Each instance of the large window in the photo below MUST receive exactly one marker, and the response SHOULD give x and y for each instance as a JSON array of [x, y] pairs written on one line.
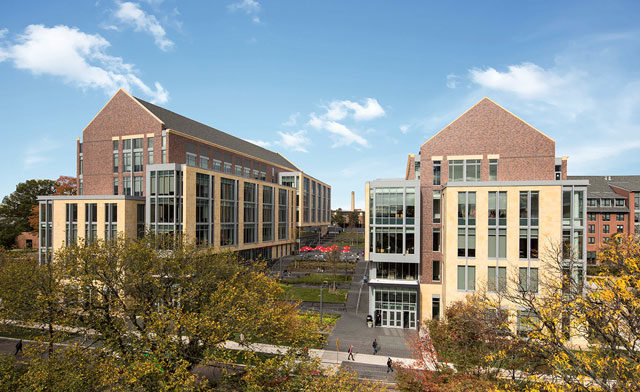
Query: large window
[[464, 170], [137, 186], [126, 155], [456, 170], [436, 206], [115, 156], [137, 155], [466, 224], [435, 270], [283, 214], [90, 222], [466, 278], [250, 213], [204, 207], [191, 159], [402, 271], [528, 279], [267, 213], [393, 229], [71, 229], [436, 172], [493, 170], [528, 244], [497, 279], [228, 208], [150, 150], [110, 221], [497, 220]]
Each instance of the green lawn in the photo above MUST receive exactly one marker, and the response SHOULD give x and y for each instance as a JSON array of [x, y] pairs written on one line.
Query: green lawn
[[12, 331], [312, 294], [318, 279], [301, 265]]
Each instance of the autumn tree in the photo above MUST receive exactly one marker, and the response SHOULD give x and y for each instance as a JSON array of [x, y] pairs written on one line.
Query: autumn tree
[[63, 186], [16, 208], [33, 294], [139, 299]]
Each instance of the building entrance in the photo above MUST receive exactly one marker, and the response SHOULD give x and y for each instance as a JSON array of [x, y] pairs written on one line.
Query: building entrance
[[395, 308]]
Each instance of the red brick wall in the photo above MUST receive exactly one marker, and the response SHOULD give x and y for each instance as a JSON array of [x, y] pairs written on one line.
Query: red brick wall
[[121, 116], [21, 240], [486, 128]]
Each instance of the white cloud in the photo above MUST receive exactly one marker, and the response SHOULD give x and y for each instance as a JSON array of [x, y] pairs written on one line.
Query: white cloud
[[452, 81], [259, 143], [338, 110], [342, 135], [3, 32], [295, 141], [404, 128], [250, 7], [526, 80], [292, 120], [78, 58], [130, 13]]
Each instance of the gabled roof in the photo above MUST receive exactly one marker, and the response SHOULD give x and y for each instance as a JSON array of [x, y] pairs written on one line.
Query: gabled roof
[[488, 101], [199, 130]]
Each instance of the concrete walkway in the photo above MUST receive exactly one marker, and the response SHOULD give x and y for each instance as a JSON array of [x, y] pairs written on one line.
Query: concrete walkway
[[351, 328]]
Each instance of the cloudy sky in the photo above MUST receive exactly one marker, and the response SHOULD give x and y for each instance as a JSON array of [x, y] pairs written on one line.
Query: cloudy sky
[[345, 89]]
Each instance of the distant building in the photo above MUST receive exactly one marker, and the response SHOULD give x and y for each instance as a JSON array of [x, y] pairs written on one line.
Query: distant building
[[27, 240], [142, 167], [347, 216], [613, 206]]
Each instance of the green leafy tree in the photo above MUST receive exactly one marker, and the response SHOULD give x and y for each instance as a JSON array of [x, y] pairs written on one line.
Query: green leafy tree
[[338, 218], [16, 208]]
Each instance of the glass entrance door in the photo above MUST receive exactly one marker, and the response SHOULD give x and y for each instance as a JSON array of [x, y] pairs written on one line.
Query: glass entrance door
[[395, 308]]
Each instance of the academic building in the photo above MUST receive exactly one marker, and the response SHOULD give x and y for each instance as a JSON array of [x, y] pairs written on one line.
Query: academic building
[[613, 207], [144, 168], [478, 206]]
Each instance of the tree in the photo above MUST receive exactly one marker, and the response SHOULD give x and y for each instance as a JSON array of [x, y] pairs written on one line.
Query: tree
[[139, 299], [16, 208], [354, 219], [32, 293], [64, 186], [571, 335], [155, 309], [337, 218]]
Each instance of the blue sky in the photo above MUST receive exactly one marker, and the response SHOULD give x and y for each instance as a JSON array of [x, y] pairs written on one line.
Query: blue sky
[[345, 89]]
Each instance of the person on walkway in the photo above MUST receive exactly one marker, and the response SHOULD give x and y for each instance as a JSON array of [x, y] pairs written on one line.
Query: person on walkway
[[364, 279], [375, 346], [389, 365], [18, 347], [350, 357]]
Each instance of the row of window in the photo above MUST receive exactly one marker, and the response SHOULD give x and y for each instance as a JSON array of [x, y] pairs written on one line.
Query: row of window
[[127, 188], [497, 279], [133, 154], [605, 229], [91, 218], [606, 217], [467, 170], [605, 202]]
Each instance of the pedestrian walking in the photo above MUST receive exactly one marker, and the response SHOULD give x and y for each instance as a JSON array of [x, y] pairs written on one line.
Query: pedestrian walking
[[351, 357], [375, 346], [389, 365], [18, 347]]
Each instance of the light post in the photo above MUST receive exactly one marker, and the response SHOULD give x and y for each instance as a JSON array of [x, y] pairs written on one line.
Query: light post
[[321, 309]]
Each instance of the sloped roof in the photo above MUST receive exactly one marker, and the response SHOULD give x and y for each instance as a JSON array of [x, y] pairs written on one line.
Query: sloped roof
[[199, 130], [600, 186], [488, 102]]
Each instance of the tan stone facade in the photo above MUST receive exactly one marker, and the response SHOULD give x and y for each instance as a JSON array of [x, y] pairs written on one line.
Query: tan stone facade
[[486, 151]]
